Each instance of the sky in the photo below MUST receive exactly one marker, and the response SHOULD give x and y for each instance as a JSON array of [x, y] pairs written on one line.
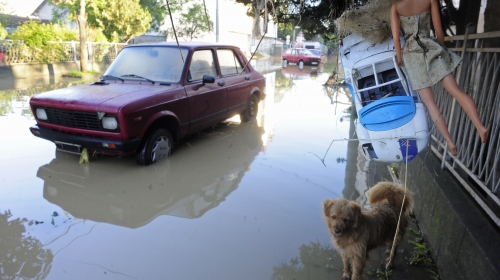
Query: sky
[[21, 7]]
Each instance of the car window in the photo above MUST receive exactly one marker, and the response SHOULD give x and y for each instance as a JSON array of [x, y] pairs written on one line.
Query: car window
[[288, 51], [228, 62], [160, 64], [294, 51], [202, 63]]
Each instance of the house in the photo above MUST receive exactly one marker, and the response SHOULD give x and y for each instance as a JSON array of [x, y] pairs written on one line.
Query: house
[[44, 11], [11, 22]]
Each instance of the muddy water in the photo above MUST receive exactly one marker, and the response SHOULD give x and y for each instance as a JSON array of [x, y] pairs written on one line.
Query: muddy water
[[237, 201]]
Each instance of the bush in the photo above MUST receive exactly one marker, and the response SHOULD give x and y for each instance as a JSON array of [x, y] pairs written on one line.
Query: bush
[[3, 32], [39, 40]]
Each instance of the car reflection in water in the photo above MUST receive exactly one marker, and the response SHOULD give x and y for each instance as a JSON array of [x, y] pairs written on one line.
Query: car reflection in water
[[207, 168], [294, 72]]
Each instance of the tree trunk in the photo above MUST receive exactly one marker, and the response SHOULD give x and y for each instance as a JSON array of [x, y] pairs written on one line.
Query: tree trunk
[[258, 6], [82, 23]]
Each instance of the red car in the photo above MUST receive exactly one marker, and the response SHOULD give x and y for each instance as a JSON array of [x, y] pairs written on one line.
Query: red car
[[300, 56], [151, 96]]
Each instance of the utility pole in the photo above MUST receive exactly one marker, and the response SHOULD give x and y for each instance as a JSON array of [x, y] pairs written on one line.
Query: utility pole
[[216, 20]]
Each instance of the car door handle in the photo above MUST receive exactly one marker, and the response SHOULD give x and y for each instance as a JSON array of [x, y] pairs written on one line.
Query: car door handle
[[221, 83], [247, 78]]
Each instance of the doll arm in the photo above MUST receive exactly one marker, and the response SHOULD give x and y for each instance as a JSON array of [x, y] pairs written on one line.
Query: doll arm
[[395, 27], [436, 22]]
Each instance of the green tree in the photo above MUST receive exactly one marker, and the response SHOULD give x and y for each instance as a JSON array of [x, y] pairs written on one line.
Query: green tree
[[123, 19], [39, 39], [3, 32], [118, 19], [194, 23], [159, 12], [312, 16]]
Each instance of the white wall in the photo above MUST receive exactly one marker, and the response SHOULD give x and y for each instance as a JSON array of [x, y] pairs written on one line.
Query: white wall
[[45, 13]]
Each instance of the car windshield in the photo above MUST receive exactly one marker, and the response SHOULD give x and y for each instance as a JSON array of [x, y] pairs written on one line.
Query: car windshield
[[304, 52], [160, 64], [316, 52]]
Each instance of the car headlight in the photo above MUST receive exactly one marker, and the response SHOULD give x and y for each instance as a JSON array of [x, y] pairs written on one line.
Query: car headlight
[[109, 123], [41, 114]]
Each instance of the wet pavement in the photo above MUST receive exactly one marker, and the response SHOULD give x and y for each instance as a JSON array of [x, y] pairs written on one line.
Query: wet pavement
[[236, 201]]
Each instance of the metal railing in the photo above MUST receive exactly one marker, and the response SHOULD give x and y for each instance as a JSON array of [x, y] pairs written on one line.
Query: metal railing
[[476, 165], [15, 52]]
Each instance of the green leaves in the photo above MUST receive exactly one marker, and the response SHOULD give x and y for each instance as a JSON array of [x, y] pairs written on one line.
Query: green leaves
[[39, 38], [3, 32], [194, 23], [35, 34], [119, 20]]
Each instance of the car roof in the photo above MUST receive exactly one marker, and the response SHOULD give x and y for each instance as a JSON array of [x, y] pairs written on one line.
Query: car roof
[[189, 45]]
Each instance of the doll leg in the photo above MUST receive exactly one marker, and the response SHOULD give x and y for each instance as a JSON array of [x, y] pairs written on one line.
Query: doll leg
[[467, 104], [437, 118]]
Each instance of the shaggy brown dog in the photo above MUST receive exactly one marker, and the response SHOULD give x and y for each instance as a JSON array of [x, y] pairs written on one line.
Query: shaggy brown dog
[[355, 232]]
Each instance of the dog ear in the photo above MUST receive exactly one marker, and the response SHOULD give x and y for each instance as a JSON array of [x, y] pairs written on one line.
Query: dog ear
[[327, 205], [356, 210]]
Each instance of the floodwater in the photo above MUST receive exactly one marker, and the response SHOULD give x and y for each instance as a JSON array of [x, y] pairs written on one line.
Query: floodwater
[[236, 201]]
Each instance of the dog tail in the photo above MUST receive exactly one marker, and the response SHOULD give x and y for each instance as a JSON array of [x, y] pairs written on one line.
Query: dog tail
[[392, 193]]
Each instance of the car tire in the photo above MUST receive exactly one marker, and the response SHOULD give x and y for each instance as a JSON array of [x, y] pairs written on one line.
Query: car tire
[[301, 65], [285, 63], [157, 146], [251, 110]]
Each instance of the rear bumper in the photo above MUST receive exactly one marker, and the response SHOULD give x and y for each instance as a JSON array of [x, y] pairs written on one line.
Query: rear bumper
[[70, 142]]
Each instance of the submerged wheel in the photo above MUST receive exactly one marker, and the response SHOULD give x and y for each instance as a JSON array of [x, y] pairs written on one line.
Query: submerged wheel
[[301, 64], [285, 63], [157, 146], [251, 110]]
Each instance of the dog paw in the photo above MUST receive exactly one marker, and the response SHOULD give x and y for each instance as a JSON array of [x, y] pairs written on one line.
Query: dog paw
[[346, 277]]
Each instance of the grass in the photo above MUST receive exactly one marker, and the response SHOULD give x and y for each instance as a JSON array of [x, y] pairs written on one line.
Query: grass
[[80, 74], [380, 274], [421, 255]]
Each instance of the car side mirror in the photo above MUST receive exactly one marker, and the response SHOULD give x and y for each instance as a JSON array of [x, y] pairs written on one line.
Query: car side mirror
[[208, 79]]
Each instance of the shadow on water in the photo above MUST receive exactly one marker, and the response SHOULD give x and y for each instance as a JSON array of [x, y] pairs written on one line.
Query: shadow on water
[[315, 261], [208, 167], [22, 256]]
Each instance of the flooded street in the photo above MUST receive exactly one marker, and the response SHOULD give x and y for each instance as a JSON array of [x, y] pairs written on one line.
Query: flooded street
[[237, 201]]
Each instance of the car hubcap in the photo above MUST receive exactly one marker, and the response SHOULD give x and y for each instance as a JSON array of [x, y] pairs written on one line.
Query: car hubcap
[[251, 107], [161, 149]]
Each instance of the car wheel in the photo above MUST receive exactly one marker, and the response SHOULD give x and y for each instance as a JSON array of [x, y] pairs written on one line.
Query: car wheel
[[285, 63], [157, 146], [251, 110], [301, 64]]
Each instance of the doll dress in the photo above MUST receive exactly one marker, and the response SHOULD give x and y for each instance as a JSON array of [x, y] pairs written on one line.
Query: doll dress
[[425, 60]]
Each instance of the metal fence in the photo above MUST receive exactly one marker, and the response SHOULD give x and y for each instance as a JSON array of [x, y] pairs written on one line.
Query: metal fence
[[15, 52], [476, 165]]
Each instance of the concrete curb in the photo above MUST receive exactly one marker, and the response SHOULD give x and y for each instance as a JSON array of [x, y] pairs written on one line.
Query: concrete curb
[[23, 76], [27, 70], [464, 241]]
